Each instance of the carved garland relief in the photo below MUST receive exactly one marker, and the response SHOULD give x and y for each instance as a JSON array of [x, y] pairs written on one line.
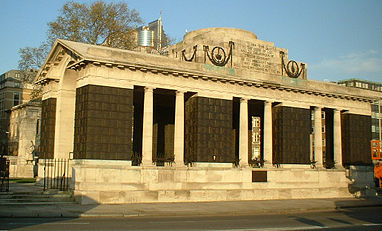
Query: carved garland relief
[[219, 57]]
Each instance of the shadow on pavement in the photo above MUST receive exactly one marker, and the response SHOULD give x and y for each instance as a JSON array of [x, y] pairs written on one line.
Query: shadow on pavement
[[373, 214], [365, 218], [309, 222], [26, 204]]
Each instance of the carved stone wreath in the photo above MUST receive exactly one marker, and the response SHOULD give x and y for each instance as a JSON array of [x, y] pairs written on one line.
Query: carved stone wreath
[[292, 69]]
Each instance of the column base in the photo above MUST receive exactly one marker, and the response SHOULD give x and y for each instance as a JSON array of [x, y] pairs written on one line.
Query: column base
[[244, 165], [339, 167], [147, 164], [319, 166], [268, 165], [180, 165]]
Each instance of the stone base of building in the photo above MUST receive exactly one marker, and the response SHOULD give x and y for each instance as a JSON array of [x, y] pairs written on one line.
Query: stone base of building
[[21, 168], [115, 182]]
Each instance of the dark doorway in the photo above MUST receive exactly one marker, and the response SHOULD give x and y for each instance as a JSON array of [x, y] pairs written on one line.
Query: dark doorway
[[327, 136], [138, 125], [255, 132], [163, 127]]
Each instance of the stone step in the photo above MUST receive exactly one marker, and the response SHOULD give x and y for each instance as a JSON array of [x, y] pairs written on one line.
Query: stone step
[[34, 196], [36, 199], [38, 203], [46, 193], [40, 197]]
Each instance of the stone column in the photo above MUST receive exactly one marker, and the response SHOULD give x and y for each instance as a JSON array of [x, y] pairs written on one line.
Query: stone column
[[337, 139], [179, 129], [65, 111], [147, 136], [243, 133], [267, 141], [318, 137]]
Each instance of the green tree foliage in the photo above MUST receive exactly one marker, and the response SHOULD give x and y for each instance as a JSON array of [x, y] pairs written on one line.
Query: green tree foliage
[[99, 23], [31, 59]]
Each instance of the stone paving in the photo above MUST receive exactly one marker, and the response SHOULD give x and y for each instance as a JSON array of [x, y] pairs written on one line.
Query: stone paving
[[71, 210], [184, 209]]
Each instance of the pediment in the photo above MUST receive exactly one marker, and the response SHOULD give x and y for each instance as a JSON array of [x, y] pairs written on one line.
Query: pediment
[[58, 59]]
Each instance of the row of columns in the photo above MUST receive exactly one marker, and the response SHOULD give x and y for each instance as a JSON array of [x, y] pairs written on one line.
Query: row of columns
[[148, 113]]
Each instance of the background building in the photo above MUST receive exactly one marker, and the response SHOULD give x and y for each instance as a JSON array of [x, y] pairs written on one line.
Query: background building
[[376, 106], [24, 139], [13, 91], [152, 36]]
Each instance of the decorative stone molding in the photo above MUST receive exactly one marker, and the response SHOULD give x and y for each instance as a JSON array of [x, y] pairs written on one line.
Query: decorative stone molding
[[143, 67]]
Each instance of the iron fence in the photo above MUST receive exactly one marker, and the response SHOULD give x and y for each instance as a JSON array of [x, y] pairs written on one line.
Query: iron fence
[[4, 175], [56, 174]]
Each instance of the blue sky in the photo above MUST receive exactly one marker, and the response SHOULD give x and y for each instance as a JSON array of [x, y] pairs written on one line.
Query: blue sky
[[338, 39]]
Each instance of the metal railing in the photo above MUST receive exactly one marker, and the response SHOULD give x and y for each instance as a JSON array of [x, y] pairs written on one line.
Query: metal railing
[[56, 174], [4, 175]]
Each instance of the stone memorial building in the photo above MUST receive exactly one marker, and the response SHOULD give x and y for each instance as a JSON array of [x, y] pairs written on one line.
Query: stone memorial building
[[222, 116]]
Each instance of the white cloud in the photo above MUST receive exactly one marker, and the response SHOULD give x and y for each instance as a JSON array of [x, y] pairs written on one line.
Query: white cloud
[[365, 64]]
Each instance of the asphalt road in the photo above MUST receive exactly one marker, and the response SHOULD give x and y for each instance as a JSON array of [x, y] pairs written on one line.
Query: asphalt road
[[350, 219]]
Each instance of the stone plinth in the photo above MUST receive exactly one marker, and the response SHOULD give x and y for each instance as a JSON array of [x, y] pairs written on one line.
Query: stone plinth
[[119, 182]]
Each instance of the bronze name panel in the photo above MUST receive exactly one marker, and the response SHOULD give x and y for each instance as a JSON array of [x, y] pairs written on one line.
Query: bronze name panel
[[103, 123], [291, 130], [48, 125], [356, 136], [208, 130]]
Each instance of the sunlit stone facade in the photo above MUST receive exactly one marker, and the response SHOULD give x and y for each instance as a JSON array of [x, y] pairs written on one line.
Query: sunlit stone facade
[[151, 128]]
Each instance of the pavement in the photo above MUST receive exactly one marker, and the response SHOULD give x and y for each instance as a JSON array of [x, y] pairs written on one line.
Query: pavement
[[225, 208]]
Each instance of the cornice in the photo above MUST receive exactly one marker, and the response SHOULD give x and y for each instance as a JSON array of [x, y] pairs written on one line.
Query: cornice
[[55, 58], [143, 67]]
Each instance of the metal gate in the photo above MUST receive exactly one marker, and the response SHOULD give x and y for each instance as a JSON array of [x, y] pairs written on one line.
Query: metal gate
[[4, 175], [56, 174]]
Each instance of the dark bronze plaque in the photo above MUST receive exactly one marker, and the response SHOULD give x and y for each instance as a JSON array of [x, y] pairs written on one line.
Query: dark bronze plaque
[[259, 176]]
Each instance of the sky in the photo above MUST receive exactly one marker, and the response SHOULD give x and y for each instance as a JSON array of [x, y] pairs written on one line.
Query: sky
[[337, 39]]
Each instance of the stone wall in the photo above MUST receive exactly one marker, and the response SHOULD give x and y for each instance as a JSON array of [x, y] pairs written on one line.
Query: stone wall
[[113, 182]]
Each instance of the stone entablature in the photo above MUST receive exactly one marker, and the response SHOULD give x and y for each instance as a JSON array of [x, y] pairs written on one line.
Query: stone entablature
[[119, 61]]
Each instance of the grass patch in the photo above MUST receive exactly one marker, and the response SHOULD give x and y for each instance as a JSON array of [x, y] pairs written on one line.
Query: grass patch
[[23, 180]]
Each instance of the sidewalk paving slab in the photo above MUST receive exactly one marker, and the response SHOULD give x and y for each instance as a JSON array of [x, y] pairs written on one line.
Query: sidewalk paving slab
[[225, 208]]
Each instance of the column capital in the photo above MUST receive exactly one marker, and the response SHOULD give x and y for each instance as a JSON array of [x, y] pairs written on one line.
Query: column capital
[[268, 102], [178, 92], [149, 88], [337, 110], [243, 100]]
